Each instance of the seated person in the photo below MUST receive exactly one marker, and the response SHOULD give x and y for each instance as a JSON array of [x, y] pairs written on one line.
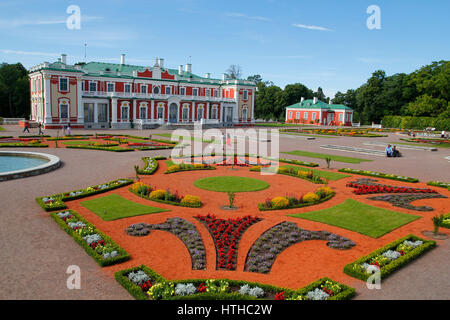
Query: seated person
[[395, 152], [389, 151]]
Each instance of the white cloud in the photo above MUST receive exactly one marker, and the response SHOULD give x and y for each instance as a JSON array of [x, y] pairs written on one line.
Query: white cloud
[[304, 26], [29, 53], [14, 23], [245, 16]]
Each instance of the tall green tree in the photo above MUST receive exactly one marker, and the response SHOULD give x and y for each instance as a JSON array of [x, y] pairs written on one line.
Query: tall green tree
[[14, 91]]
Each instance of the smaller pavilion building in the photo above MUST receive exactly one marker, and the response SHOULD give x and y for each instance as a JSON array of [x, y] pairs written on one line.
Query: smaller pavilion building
[[314, 111]]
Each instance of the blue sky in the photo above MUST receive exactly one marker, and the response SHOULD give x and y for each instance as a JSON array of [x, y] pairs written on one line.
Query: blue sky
[[317, 43]]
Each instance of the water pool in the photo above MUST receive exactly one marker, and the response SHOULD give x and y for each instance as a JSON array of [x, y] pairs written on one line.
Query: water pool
[[14, 163]]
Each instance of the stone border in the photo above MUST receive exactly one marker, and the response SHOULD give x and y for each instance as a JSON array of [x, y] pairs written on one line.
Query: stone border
[[53, 163]]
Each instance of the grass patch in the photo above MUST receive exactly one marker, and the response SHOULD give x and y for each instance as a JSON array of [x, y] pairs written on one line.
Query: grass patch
[[421, 144], [359, 217], [169, 135], [231, 184], [113, 207], [78, 142], [325, 155], [2, 129], [308, 135], [330, 175]]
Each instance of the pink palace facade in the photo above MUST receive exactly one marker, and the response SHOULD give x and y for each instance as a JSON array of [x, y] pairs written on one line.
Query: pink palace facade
[[106, 95]]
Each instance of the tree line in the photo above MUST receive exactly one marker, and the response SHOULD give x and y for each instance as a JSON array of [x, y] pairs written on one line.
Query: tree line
[[422, 93], [14, 91]]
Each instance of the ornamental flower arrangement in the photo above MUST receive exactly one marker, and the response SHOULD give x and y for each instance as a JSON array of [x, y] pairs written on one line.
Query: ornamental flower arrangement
[[104, 249], [368, 186], [275, 240], [291, 201], [188, 167], [165, 196], [182, 229], [226, 235]]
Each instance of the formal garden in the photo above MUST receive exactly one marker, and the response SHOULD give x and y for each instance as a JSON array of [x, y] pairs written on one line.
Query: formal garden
[[198, 228]]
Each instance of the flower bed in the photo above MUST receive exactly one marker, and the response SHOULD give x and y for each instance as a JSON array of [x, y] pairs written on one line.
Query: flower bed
[[144, 283], [290, 202], [275, 240], [113, 149], [446, 222], [379, 175], [226, 235], [389, 258], [298, 162], [290, 171], [56, 202], [77, 137], [98, 245], [404, 200], [368, 186], [165, 196], [188, 167], [150, 166], [182, 229], [439, 184]]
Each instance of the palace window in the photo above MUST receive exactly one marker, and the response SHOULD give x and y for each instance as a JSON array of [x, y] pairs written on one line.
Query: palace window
[[143, 88], [213, 113], [168, 90], [340, 117], [208, 92], [297, 116], [143, 113], [185, 114], [63, 84], [314, 116], [93, 86], [82, 85], [160, 113], [290, 114], [199, 113], [124, 113], [195, 92], [102, 112], [245, 95], [127, 88], [64, 111], [244, 114], [216, 94], [110, 87], [182, 91], [156, 90], [305, 115]]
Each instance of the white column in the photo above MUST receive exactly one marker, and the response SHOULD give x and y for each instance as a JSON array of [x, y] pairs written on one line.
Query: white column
[[47, 99], [134, 110], [80, 111], [114, 110], [207, 111], [96, 112], [253, 105], [152, 105]]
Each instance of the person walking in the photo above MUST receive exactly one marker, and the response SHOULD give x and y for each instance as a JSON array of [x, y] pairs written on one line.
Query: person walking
[[40, 129], [25, 128], [68, 129]]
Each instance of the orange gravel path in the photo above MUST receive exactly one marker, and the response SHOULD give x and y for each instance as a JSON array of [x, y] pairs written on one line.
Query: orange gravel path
[[295, 267]]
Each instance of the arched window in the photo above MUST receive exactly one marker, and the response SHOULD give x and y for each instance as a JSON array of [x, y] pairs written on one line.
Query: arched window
[[156, 90]]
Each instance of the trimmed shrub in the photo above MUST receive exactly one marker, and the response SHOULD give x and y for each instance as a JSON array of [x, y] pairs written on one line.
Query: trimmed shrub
[[191, 201], [159, 194], [280, 202], [310, 197]]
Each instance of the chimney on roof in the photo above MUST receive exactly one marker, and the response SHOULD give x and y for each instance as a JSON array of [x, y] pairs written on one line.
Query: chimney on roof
[[122, 58], [302, 99], [161, 62], [64, 58], [224, 76], [180, 69], [314, 100], [207, 75], [329, 102], [188, 67]]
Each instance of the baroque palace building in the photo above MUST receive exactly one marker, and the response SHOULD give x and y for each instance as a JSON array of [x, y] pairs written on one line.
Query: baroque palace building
[[107, 95]]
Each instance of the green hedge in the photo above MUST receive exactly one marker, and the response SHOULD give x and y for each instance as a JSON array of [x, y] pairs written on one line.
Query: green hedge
[[68, 138], [173, 203], [321, 181], [35, 136], [261, 206], [379, 175], [146, 163], [60, 198], [446, 224], [302, 163], [439, 184], [22, 145], [113, 149], [137, 293], [395, 264], [123, 255], [416, 122]]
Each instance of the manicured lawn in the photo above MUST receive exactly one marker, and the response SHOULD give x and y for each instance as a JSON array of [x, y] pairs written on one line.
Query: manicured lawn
[[359, 217], [1, 129], [78, 142], [325, 155], [421, 144], [113, 207], [330, 175], [231, 183], [308, 135], [168, 135]]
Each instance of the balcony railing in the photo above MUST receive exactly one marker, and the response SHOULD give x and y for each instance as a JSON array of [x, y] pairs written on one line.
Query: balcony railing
[[104, 94]]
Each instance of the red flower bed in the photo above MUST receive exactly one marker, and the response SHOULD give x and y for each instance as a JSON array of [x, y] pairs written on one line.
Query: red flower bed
[[226, 235], [375, 188]]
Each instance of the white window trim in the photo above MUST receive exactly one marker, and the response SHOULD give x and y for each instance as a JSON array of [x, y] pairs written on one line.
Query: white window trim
[[195, 89], [68, 84], [182, 88], [246, 114], [168, 87], [113, 85], [140, 111], [314, 116], [96, 86], [214, 107], [144, 86], [125, 85], [121, 113], [208, 92], [66, 103], [159, 89], [244, 94]]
